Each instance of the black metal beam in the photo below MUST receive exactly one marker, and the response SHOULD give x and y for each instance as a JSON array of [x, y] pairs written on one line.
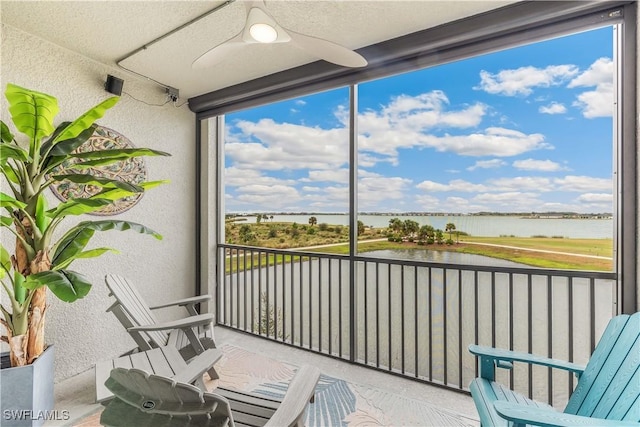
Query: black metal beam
[[493, 30]]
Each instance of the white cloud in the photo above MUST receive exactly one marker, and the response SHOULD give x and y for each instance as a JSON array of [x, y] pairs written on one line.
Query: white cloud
[[487, 164], [596, 198], [340, 175], [432, 186], [329, 198], [521, 183], [598, 102], [601, 71], [375, 190], [460, 204], [553, 108], [522, 81], [237, 177], [309, 189], [300, 102], [513, 201], [454, 185], [428, 203], [404, 123], [494, 141], [285, 146], [508, 197], [583, 184], [428, 110], [273, 196], [538, 165]]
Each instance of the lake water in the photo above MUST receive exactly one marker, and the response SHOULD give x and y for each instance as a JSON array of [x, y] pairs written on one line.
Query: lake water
[[443, 257], [490, 226]]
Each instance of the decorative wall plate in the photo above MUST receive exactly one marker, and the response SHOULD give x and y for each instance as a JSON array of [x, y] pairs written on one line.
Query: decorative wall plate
[[131, 170]]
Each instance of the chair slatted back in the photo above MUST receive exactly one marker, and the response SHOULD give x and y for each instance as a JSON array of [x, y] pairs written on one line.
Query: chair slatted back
[[609, 388], [133, 304], [144, 399]]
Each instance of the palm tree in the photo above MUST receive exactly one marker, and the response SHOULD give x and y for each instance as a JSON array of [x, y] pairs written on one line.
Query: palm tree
[[422, 233], [410, 228], [431, 234], [313, 221], [395, 224], [450, 227]]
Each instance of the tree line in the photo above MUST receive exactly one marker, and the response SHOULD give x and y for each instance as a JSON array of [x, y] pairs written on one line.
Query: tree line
[[411, 231]]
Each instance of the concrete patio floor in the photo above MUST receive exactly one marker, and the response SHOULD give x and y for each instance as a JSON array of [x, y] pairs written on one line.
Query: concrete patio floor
[[77, 394]]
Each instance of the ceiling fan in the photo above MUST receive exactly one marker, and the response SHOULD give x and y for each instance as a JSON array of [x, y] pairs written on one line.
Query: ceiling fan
[[261, 27]]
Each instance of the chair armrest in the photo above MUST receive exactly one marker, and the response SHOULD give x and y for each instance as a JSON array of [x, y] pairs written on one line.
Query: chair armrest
[[546, 417], [186, 323], [300, 391], [183, 302], [490, 357], [198, 366]]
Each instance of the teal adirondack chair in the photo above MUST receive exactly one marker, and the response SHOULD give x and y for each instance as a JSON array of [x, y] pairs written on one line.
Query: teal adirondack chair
[[607, 393]]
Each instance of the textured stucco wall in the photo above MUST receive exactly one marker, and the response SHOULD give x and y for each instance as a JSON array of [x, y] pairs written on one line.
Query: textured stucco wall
[[83, 332]]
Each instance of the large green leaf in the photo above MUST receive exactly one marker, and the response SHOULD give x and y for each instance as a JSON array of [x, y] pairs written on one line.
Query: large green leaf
[[78, 207], [91, 253], [19, 291], [117, 193], [120, 153], [49, 142], [67, 285], [6, 221], [42, 220], [6, 135], [105, 157], [71, 244], [86, 120], [32, 112], [99, 182], [9, 173], [109, 224], [5, 261], [10, 151], [7, 201], [64, 148], [76, 239]]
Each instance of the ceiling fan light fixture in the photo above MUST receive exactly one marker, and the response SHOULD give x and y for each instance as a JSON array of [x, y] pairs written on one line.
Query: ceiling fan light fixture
[[263, 33], [261, 27]]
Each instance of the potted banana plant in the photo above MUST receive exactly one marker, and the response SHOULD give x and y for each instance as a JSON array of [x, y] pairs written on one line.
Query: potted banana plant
[[39, 261]]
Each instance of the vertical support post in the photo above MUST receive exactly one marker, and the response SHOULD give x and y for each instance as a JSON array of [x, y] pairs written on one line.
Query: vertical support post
[[208, 233], [625, 127], [217, 158], [201, 128], [353, 221]]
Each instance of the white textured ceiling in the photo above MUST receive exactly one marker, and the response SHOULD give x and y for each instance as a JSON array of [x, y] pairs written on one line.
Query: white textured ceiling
[[110, 31]]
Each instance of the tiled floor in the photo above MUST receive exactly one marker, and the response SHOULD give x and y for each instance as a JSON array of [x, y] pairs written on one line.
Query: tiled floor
[[77, 394]]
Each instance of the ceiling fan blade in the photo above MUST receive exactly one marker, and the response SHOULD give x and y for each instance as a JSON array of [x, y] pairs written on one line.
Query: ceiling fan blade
[[218, 53], [329, 51]]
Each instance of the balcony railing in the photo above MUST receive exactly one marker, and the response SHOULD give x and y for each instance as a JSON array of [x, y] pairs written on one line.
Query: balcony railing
[[416, 319]]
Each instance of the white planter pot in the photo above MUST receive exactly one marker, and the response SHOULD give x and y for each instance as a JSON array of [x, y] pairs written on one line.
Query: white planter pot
[[27, 392]]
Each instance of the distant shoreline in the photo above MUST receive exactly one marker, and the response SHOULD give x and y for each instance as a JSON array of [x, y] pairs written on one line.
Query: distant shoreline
[[527, 215]]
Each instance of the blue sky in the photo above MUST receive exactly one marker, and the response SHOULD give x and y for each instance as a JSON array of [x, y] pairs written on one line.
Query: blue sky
[[521, 130]]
